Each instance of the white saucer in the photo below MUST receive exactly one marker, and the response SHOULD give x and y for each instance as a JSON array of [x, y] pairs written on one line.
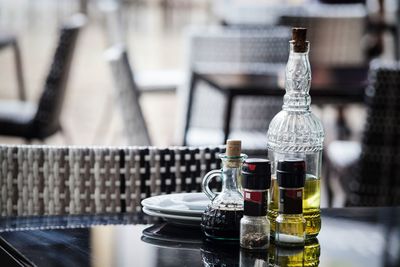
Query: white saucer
[[177, 219], [188, 204]]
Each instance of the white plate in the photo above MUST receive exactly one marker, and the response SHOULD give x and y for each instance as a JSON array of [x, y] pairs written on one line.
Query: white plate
[[186, 220], [191, 204]]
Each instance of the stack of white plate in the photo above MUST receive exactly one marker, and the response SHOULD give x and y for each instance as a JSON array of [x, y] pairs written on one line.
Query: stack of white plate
[[181, 208]]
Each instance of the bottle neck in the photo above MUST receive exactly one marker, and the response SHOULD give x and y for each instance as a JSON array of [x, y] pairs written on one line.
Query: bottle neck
[[230, 174], [297, 81], [231, 168]]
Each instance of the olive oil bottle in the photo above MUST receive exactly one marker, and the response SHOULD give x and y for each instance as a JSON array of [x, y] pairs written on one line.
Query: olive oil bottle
[[311, 203], [295, 132], [290, 224]]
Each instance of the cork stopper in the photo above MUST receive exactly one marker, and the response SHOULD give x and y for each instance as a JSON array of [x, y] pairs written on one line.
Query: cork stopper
[[233, 148], [299, 40]]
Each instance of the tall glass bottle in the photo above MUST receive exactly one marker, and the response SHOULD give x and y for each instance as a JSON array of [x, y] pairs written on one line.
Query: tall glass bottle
[[295, 132]]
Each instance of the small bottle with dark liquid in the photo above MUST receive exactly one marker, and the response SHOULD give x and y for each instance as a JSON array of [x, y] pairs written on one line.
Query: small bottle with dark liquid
[[221, 219]]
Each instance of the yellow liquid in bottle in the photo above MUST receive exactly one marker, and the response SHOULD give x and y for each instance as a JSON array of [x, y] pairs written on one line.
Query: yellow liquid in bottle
[[311, 204]]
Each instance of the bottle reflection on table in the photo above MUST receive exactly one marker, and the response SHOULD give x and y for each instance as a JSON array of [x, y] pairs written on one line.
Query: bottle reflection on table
[[219, 253], [307, 256], [312, 251], [229, 254], [253, 258]]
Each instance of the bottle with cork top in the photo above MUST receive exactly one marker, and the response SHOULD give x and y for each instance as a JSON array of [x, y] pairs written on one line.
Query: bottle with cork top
[[221, 219], [295, 132], [255, 226], [290, 227]]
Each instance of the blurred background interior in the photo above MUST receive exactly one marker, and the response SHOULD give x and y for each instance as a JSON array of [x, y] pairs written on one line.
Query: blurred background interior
[[128, 76]]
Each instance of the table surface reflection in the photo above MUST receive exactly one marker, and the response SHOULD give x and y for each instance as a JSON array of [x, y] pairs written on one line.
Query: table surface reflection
[[349, 237]]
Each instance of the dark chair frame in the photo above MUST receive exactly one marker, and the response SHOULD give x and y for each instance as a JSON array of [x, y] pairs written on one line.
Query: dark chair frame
[[374, 179], [46, 120]]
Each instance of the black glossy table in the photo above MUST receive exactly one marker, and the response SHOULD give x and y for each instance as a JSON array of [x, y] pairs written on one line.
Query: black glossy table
[[329, 86], [349, 237]]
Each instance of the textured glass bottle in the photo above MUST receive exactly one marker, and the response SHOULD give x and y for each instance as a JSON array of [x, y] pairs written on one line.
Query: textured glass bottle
[[297, 133], [221, 219]]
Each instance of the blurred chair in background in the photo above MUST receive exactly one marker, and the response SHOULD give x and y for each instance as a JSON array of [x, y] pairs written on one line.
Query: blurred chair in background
[[343, 1], [51, 180], [335, 33], [127, 96], [9, 40], [116, 33], [138, 82], [261, 12], [379, 23], [384, 23], [233, 50], [370, 173], [30, 121]]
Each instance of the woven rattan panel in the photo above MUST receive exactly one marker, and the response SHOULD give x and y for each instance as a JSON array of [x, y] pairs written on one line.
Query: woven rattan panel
[[37, 180]]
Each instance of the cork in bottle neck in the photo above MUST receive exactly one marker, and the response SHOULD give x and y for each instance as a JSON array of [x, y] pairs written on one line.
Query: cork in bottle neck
[[233, 148], [299, 40]]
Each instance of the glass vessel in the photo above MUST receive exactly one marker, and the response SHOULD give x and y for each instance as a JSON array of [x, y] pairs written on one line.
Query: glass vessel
[[290, 223], [295, 132], [254, 232], [221, 219], [290, 230]]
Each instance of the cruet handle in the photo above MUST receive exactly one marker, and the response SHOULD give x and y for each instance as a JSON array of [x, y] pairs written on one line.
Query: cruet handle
[[206, 180]]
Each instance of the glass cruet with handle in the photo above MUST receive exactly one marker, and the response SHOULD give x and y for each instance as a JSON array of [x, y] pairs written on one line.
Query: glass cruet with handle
[[221, 219]]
